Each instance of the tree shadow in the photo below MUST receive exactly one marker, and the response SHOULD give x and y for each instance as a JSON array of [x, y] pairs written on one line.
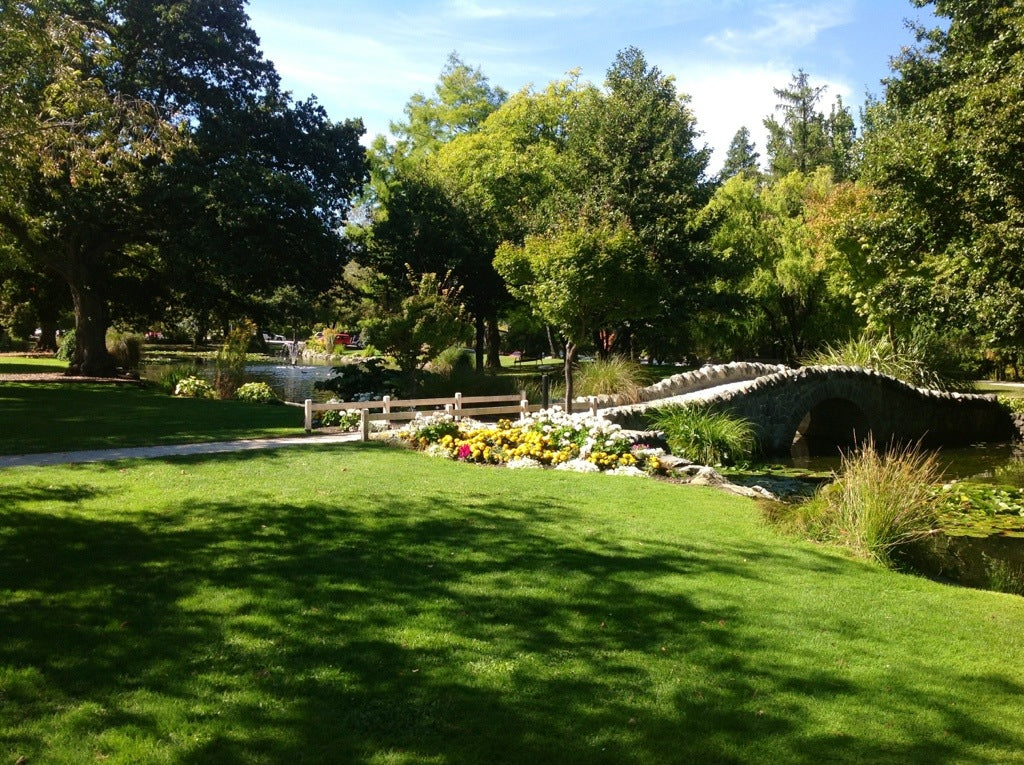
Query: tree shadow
[[428, 629]]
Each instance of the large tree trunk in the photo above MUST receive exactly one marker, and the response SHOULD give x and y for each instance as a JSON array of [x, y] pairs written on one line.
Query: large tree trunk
[[91, 321], [493, 343]]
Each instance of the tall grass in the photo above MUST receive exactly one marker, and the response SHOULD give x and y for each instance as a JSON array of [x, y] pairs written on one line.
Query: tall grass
[[908, 359], [231, 360], [879, 501], [706, 437], [127, 348], [614, 376]]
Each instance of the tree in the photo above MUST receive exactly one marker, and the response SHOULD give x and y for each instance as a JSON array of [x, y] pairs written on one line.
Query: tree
[[74, 155], [419, 219], [141, 116], [945, 153], [581, 277], [418, 326], [780, 248], [805, 138], [741, 157], [463, 99]]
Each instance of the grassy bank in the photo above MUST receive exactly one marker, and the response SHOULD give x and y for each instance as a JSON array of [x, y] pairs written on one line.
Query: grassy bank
[[356, 604], [47, 417]]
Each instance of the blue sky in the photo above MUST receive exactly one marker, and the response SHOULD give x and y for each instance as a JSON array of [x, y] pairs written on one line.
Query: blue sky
[[366, 58]]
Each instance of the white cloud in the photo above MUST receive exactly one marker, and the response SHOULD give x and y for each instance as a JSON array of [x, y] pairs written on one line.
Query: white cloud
[[477, 10], [786, 27]]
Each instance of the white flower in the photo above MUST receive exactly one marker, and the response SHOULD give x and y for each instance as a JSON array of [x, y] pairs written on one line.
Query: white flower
[[629, 470], [579, 466], [522, 463]]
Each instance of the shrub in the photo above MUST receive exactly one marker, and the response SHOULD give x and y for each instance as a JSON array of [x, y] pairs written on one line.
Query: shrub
[[369, 380], [257, 393], [346, 419], [878, 502], [1014, 404], [168, 377], [66, 346], [616, 375], [231, 359], [706, 437], [193, 387], [451, 359], [126, 348]]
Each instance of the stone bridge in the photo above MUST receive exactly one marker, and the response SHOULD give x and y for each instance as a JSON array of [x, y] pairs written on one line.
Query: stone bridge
[[816, 409]]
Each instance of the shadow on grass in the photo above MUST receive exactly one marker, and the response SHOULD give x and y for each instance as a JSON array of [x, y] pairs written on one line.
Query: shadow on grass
[[413, 628]]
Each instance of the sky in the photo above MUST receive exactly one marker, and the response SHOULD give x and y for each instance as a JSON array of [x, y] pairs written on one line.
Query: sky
[[367, 58]]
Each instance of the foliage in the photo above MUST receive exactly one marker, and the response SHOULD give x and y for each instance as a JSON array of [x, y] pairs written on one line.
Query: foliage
[[1012, 403], [117, 125], [879, 501], [908, 359], [943, 153], [704, 436], [167, 378], [585, 277], [194, 387], [426, 321], [66, 346], [980, 510], [741, 157], [127, 349], [450, 360], [257, 393], [806, 139], [778, 246], [615, 375], [370, 379], [231, 359], [345, 419]]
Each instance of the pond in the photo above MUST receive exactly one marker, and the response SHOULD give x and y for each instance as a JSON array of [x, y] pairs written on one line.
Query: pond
[[289, 382], [986, 463]]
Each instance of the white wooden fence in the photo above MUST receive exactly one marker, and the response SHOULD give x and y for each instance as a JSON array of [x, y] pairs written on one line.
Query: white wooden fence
[[397, 410]]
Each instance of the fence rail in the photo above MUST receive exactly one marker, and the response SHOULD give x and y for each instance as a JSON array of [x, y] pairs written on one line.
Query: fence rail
[[398, 410]]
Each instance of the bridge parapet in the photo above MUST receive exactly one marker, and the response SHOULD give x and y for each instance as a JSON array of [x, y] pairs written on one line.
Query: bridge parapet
[[837, 401], [706, 377]]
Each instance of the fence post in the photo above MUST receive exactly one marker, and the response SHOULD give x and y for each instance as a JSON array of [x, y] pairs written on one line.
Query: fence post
[[387, 411], [448, 409], [307, 409], [458, 402], [524, 405], [364, 425], [592, 400]]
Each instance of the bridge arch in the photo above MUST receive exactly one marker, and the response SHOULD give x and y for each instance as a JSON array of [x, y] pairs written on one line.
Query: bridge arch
[[832, 424], [835, 404]]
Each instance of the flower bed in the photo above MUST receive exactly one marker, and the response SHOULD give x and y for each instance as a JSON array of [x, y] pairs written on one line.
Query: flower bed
[[549, 438]]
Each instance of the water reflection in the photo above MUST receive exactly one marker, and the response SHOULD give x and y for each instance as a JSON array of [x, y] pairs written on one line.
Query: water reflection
[[995, 463]]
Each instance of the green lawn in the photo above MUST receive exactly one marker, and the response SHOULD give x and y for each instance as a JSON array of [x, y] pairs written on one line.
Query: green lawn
[[359, 604], [18, 365], [46, 417]]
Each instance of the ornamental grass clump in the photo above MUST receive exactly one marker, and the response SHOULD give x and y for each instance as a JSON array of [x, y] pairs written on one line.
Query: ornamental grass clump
[[614, 376], [879, 501], [706, 437]]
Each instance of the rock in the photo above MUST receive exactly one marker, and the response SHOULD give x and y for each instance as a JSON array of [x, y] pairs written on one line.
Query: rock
[[706, 476], [672, 462]]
